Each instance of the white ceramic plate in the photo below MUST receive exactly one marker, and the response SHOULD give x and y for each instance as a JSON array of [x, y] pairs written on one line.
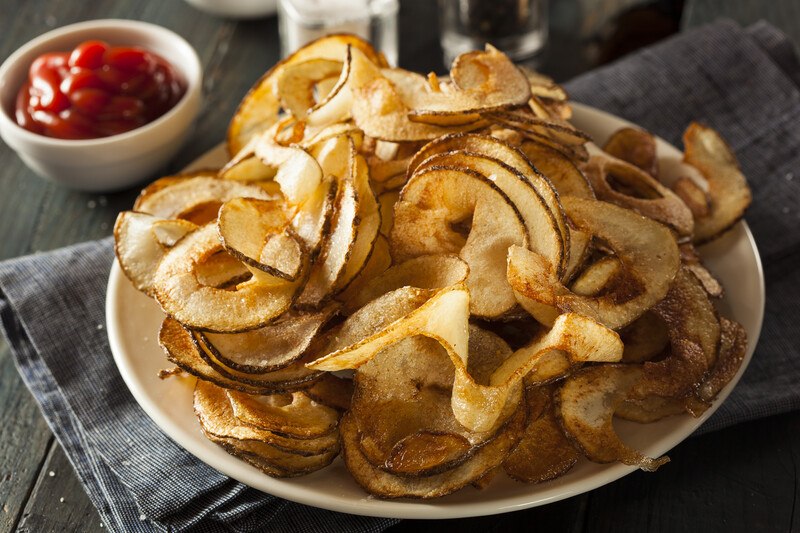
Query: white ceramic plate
[[133, 321]]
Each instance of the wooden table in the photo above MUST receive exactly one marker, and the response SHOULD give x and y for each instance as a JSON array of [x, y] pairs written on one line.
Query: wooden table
[[741, 479]]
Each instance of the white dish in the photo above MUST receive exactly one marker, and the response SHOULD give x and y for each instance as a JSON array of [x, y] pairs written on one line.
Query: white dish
[[237, 9], [133, 321]]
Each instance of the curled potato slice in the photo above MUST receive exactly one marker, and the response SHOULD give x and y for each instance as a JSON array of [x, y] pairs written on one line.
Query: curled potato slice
[[379, 110], [648, 253], [336, 249], [293, 414], [256, 233], [544, 452], [498, 149], [216, 417], [141, 241], [482, 80], [262, 456], [190, 197], [297, 172], [634, 146], [397, 436], [260, 107], [694, 332], [313, 218], [541, 129], [447, 210], [289, 377], [621, 183], [728, 193], [298, 81], [272, 347], [358, 70], [183, 350], [585, 406], [387, 485], [248, 306], [544, 236], [733, 346], [562, 172], [369, 216]]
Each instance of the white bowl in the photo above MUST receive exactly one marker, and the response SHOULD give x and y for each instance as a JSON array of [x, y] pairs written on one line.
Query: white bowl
[[237, 9], [108, 163]]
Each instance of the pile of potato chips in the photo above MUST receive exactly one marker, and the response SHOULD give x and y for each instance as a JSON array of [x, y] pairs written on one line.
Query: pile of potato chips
[[498, 287]]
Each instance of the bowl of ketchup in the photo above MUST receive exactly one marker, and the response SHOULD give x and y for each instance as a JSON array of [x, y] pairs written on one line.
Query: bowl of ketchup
[[100, 105]]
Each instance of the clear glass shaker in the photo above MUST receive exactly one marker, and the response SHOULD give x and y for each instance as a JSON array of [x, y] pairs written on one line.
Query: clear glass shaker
[[302, 21]]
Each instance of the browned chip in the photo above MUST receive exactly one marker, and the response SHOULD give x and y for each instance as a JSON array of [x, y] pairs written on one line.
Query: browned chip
[[645, 338], [293, 414], [219, 425], [183, 351], [248, 306], [692, 262], [621, 183], [544, 452], [260, 106], [260, 455], [272, 347], [213, 408], [386, 485], [585, 405], [646, 249], [733, 346], [635, 146], [399, 437], [728, 192], [332, 391], [694, 333], [473, 218], [692, 195]]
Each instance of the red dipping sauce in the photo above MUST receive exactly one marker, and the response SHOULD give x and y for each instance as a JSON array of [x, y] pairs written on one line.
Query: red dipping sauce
[[96, 91]]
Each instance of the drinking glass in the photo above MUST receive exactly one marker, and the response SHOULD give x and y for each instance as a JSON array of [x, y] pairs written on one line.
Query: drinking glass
[[517, 27]]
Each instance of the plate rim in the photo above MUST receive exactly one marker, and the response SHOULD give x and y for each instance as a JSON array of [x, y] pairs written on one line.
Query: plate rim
[[404, 508]]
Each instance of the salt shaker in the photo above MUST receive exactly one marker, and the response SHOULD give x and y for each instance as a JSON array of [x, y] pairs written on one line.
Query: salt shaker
[[302, 21]]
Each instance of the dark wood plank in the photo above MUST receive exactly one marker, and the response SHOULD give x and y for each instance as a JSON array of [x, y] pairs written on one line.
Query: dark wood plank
[[24, 441], [743, 478], [566, 516], [58, 502]]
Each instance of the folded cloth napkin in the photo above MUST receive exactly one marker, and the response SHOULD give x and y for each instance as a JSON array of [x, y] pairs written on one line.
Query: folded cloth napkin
[[741, 82]]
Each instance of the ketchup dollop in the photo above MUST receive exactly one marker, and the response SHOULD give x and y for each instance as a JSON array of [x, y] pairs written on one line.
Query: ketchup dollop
[[96, 90]]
